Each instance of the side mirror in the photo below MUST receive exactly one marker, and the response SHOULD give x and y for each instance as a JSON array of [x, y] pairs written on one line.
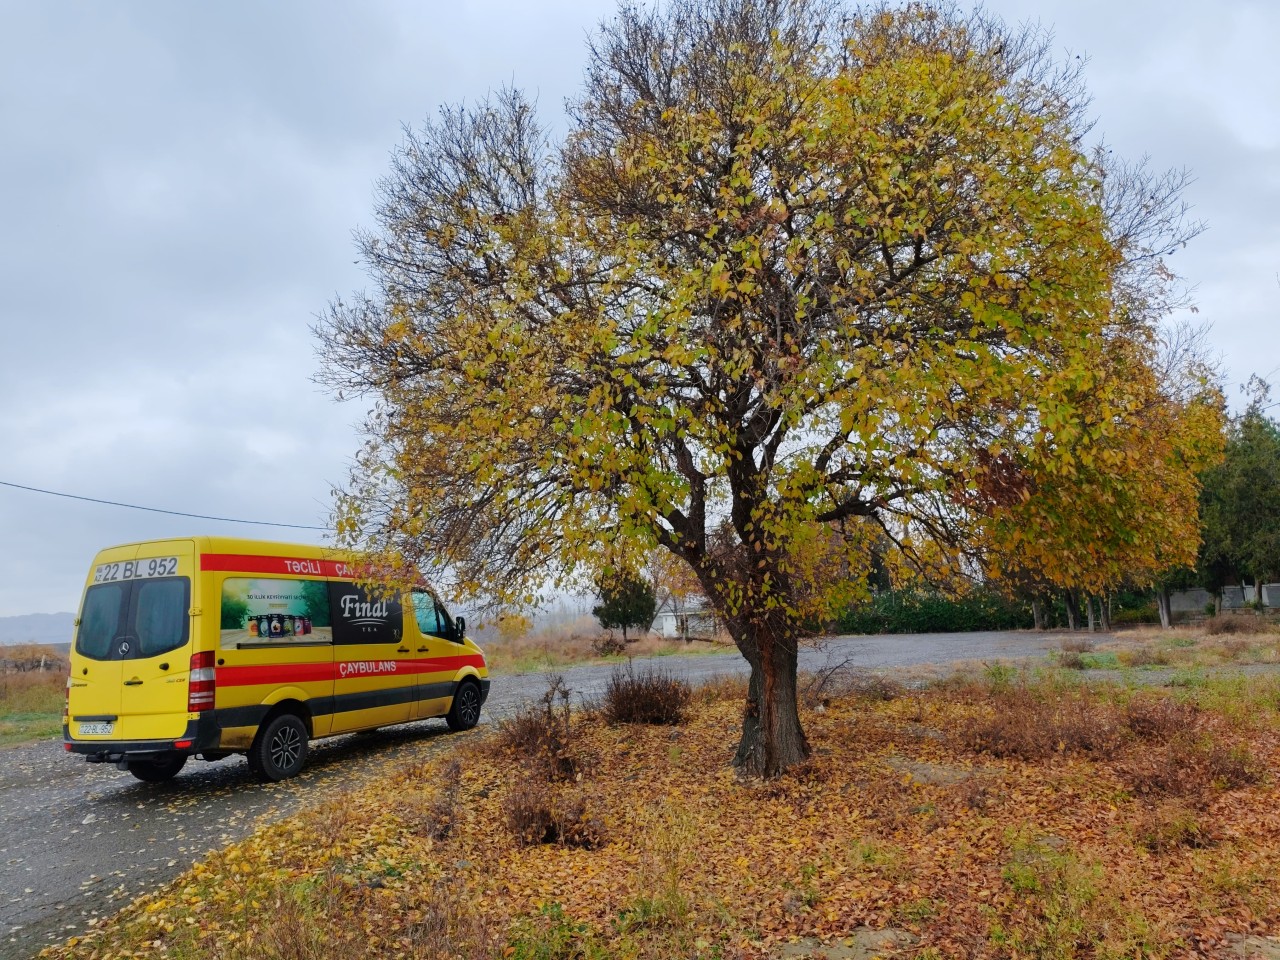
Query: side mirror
[[459, 628]]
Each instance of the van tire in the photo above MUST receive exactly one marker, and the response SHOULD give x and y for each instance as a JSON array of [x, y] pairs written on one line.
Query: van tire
[[280, 749], [157, 769], [464, 712]]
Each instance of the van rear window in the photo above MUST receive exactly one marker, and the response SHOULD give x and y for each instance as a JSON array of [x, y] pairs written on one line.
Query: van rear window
[[100, 619], [160, 617], [137, 618]]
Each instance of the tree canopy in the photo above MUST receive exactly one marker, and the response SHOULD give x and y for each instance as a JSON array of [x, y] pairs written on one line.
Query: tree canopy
[[799, 281]]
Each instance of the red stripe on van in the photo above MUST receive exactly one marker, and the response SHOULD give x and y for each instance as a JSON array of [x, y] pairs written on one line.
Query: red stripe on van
[[290, 566], [278, 673]]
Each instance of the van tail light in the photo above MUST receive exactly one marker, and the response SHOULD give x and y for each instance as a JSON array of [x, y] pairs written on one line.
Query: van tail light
[[200, 687]]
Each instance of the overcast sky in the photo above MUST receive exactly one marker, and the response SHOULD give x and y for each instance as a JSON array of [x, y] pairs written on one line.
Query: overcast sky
[[179, 183]]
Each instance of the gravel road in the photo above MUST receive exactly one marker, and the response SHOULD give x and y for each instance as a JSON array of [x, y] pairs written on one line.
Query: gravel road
[[80, 840]]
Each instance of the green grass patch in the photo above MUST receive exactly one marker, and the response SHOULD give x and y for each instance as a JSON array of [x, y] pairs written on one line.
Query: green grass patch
[[1100, 661], [27, 727], [31, 706]]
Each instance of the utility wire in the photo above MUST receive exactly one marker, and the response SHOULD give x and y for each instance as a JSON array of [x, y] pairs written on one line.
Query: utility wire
[[174, 513]]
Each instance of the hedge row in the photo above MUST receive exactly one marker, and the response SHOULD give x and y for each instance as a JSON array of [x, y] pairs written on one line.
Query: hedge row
[[925, 611], [919, 611]]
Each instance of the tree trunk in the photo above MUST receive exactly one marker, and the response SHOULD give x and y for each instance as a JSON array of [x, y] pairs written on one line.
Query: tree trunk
[[1163, 605], [772, 738], [1037, 612], [1088, 609], [1104, 613], [1073, 609]]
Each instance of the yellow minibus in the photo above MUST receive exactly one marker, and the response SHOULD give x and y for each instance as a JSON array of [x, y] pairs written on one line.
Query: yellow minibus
[[210, 646]]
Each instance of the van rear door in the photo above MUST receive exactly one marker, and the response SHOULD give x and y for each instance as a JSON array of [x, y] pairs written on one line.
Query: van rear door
[[132, 658], [93, 692], [156, 671]]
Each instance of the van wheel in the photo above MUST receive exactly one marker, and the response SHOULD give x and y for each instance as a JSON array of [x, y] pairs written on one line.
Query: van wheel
[[465, 711], [280, 749], [157, 769]]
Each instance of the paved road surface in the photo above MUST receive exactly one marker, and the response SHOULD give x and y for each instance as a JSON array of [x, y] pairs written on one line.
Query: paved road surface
[[80, 840]]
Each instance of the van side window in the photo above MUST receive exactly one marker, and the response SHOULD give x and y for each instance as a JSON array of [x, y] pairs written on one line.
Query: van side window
[[160, 618], [424, 611], [361, 616], [446, 625]]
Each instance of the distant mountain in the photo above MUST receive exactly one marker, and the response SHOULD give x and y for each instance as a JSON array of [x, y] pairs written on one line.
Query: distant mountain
[[37, 628]]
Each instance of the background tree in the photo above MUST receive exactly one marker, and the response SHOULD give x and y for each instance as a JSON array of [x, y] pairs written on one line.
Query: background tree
[[800, 280], [1241, 500], [1124, 511], [626, 600]]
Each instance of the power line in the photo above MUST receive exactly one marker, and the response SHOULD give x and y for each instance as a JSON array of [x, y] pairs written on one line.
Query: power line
[[174, 513]]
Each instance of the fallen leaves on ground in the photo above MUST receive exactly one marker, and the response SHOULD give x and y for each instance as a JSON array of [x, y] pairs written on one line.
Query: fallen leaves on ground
[[902, 819]]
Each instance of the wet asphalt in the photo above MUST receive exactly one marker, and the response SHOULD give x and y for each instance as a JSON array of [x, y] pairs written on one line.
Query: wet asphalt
[[80, 840]]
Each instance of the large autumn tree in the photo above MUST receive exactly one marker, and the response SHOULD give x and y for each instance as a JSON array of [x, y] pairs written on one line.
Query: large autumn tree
[[799, 281]]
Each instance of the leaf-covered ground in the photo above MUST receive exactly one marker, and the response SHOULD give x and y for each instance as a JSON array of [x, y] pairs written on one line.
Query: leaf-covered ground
[[994, 817]]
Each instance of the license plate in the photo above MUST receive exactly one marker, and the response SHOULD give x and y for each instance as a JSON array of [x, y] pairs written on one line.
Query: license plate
[[96, 729], [135, 569]]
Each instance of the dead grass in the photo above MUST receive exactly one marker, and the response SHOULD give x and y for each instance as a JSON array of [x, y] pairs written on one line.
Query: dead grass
[[32, 692], [31, 705]]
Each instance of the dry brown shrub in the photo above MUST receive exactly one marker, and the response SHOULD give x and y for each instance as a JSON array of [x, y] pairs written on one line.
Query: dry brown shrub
[[1022, 725], [608, 645], [1143, 657], [542, 735], [434, 813], [653, 696], [1235, 648], [1170, 825], [1161, 773], [976, 794], [1231, 767], [1071, 660], [1160, 719], [449, 927], [1076, 645], [1191, 766], [539, 813], [835, 682], [1236, 623]]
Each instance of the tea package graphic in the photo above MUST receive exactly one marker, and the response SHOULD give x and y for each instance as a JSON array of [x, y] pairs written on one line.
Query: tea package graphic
[[258, 611]]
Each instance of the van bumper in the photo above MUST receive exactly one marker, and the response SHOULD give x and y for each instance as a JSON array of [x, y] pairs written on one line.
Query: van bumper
[[202, 733], [484, 691]]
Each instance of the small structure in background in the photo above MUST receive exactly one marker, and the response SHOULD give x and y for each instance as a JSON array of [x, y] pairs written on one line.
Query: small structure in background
[[690, 619]]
